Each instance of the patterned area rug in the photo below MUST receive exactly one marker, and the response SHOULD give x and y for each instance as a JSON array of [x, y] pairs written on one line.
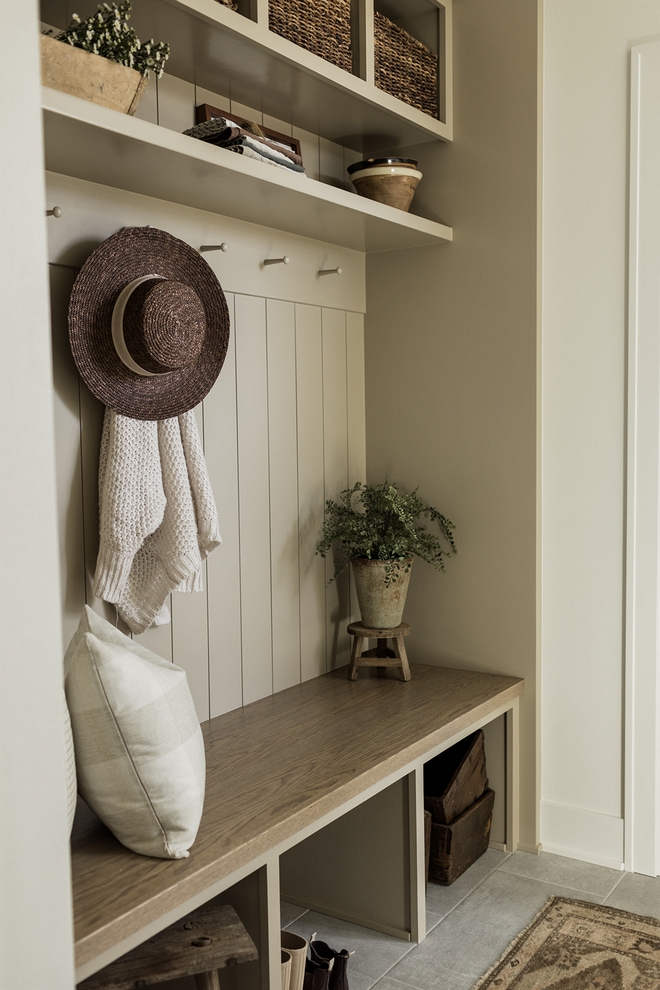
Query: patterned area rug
[[574, 945]]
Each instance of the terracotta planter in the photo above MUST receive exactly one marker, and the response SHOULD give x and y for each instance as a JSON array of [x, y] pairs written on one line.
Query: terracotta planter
[[381, 604], [91, 77]]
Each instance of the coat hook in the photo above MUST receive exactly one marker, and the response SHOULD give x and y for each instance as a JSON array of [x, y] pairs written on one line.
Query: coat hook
[[278, 261], [215, 247], [330, 271], [55, 212]]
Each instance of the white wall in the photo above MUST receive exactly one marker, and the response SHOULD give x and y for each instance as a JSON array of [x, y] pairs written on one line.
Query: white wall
[[585, 162], [35, 905]]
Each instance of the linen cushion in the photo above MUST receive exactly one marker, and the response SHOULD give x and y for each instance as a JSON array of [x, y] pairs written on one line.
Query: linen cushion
[[71, 783], [138, 743]]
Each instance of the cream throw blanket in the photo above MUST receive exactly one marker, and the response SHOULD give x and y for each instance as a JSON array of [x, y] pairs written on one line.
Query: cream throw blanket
[[158, 519]]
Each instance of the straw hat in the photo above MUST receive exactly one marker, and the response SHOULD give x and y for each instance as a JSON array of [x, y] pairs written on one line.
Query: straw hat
[[148, 324]]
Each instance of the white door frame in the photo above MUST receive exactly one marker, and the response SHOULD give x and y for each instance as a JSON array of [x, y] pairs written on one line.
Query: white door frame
[[642, 708]]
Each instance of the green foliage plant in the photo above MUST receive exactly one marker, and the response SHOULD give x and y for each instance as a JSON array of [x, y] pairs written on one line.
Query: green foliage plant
[[107, 33], [378, 522]]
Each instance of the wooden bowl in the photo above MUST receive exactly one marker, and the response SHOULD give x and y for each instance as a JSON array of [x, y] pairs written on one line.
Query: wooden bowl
[[393, 185]]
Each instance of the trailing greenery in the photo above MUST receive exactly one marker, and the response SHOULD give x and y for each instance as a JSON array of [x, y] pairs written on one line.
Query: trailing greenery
[[107, 33], [379, 523]]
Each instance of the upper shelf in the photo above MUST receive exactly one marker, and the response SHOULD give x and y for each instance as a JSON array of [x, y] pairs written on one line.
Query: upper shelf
[[220, 50], [91, 142]]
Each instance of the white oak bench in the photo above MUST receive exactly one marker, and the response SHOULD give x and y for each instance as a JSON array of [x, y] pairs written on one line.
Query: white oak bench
[[329, 773]]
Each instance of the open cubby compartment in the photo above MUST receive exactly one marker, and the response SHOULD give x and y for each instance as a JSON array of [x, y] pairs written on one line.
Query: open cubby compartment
[[409, 53], [360, 867]]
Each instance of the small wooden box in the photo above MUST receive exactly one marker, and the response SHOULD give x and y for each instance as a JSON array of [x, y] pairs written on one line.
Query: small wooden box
[[457, 846], [455, 779]]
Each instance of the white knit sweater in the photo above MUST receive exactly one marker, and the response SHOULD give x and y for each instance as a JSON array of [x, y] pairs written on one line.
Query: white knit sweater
[[158, 519]]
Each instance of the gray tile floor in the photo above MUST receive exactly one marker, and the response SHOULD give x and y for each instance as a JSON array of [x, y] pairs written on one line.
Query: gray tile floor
[[471, 923]]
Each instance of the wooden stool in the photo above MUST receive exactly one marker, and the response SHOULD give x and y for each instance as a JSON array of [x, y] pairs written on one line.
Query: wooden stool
[[382, 655], [198, 945]]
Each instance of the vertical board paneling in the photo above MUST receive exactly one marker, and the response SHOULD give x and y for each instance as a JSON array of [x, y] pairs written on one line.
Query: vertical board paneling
[[283, 429], [224, 575], [357, 441], [253, 496], [66, 414], [309, 375], [91, 424], [335, 451], [190, 641], [283, 454]]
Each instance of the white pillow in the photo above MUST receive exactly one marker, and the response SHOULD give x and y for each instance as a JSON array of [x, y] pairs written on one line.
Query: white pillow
[[71, 786], [138, 744]]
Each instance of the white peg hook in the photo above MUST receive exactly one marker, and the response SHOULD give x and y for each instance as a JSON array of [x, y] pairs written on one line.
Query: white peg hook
[[278, 261], [55, 212], [330, 271], [214, 247]]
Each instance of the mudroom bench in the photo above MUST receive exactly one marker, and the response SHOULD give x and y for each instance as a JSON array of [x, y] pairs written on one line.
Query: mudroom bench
[[315, 795]]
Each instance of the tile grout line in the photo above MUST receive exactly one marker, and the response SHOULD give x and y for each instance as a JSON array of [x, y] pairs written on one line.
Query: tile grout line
[[623, 874], [555, 883]]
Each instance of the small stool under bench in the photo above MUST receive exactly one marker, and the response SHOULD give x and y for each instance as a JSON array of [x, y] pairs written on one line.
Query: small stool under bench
[[334, 762]]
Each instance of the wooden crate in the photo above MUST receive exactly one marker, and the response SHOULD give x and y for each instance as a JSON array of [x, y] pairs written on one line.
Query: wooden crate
[[455, 779], [457, 846]]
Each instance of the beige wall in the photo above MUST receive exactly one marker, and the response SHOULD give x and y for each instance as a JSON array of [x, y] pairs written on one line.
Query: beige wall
[[451, 364], [35, 903], [585, 162]]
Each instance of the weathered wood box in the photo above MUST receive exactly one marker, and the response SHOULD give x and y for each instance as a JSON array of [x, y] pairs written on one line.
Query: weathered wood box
[[456, 794], [455, 847]]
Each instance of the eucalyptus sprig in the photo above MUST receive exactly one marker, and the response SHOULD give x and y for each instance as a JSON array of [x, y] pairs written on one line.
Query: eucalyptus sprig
[[379, 522], [108, 33]]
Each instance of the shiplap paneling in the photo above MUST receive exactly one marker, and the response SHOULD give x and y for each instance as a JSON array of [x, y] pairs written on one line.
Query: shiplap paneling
[[254, 495], [283, 468], [357, 441], [335, 460], [224, 591], [311, 489], [283, 428], [190, 634]]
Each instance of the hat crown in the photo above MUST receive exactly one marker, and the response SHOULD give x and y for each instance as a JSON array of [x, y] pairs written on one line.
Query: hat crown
[[164, 325]]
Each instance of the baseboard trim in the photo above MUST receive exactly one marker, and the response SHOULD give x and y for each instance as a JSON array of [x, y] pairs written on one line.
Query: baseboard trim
[[534, 850], [589, 836]]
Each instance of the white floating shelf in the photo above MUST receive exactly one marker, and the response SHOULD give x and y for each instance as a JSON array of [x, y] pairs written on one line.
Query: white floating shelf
[[91, 142], [222, 51]]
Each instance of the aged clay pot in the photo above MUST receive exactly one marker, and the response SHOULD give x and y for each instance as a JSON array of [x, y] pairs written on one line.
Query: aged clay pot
[[381, 607], [91, 77]]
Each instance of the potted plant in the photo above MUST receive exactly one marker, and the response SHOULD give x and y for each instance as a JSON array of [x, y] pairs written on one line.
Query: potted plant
[[375, 528], [102, 59]]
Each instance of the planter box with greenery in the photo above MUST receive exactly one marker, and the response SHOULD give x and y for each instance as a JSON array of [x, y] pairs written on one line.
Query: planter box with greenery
[[375, 528], [102, 59]]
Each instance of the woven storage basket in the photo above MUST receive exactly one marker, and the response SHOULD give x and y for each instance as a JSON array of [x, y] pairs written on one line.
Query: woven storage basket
[[321, 26], [405, 67]]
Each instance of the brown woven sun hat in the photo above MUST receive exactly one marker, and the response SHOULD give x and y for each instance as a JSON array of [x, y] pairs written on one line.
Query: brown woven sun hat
[[148, 324]]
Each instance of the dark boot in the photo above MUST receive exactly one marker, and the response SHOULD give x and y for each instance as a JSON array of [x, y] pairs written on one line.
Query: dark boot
[[317, 975], [321, 952]]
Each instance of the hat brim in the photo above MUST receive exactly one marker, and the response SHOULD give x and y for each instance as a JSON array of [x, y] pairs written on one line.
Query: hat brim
[[123, 257]]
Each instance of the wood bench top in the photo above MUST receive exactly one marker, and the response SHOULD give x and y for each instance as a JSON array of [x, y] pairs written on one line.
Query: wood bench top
[[273, 768]]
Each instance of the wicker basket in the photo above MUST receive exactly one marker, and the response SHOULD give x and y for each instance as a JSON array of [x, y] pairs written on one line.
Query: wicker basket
[[321, 26], [405, 67]]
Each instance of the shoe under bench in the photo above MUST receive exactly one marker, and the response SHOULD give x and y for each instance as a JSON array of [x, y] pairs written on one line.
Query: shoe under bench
[[314, 794]]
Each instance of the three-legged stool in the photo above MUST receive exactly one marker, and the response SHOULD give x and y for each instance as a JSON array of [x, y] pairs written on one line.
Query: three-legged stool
[[206, 940], [382, 655]]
